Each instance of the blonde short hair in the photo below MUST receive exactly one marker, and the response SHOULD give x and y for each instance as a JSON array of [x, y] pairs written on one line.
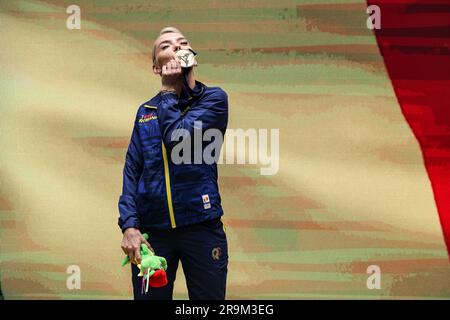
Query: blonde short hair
[[163, 31]]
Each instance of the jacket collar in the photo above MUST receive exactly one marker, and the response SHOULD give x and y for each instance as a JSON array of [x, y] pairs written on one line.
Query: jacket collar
[[186, 99]]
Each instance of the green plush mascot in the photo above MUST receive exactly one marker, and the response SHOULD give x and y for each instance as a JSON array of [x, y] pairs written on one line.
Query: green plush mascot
[[153, 268]]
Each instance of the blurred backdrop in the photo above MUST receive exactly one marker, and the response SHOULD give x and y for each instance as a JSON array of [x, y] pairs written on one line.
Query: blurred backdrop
[[351, 190]]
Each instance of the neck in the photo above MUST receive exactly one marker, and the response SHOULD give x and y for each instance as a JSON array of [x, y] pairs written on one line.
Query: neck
[[191, 78]]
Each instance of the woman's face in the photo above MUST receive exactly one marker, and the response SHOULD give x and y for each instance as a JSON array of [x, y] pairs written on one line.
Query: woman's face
[[165, 48]]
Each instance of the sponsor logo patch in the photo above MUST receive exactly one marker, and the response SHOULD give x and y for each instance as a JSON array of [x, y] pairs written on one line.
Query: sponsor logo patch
[[147, 117], [206, 203]]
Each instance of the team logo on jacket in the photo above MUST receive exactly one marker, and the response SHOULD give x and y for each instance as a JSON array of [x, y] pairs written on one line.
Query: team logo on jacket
[[206, 203], [216, 253], [147, 117]]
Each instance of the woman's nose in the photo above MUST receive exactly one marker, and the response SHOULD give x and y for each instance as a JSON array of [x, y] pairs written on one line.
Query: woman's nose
[[177, 47]]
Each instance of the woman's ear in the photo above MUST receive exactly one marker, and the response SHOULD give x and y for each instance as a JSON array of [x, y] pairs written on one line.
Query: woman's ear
[[156, 70]]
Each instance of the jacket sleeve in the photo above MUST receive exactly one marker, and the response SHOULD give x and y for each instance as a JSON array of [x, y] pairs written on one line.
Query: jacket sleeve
[[131, 173], [211, 110]]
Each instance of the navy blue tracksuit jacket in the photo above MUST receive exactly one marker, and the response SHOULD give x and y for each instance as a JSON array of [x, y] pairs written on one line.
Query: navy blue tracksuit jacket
[[178, 204]]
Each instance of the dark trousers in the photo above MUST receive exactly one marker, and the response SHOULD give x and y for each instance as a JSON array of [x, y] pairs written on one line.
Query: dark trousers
[[203, 251]]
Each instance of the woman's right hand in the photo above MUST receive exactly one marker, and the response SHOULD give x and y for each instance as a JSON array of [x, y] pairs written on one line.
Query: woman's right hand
[[131, 244]]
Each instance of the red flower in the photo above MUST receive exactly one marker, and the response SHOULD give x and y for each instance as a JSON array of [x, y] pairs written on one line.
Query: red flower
[[158, 279]]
